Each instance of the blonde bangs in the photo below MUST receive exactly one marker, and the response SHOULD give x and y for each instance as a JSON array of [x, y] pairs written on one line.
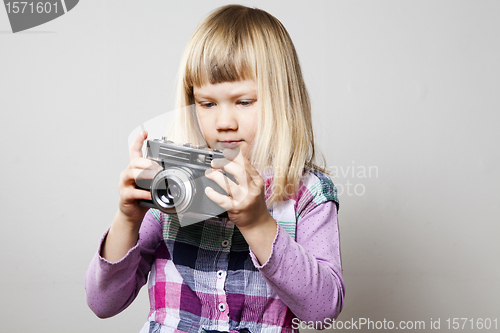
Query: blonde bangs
[[221, 50]]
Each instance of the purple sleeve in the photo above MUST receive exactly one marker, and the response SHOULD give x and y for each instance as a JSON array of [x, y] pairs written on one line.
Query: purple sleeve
[[307, 274], [111, 287]]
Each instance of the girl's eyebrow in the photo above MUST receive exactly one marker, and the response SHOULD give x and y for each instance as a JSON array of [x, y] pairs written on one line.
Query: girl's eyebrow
[[200, 95]]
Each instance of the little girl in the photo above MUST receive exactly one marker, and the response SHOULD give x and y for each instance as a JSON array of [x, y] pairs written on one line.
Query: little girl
[[277, 256]]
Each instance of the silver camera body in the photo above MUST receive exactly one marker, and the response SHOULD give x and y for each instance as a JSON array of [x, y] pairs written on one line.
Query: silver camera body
[[180, 187]]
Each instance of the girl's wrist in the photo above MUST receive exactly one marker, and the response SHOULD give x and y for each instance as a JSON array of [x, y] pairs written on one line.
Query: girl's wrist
[[122, 236], [260, 237], [258, 225], [124, 223]]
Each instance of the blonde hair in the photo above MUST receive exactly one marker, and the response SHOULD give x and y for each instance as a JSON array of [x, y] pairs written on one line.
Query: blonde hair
[[237, 43]]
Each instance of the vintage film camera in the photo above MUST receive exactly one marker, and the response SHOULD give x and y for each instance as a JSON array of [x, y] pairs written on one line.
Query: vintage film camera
[[180, 187]]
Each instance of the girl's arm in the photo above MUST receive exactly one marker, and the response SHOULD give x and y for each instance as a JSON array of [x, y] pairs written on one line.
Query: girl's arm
[[112, 286], [306, 274]]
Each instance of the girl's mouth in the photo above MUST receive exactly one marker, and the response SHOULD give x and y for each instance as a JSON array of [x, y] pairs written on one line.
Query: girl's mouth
[[229, 144]]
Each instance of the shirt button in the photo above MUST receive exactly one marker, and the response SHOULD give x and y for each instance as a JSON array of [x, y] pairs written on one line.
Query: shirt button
[[222, 307], [225, 243]]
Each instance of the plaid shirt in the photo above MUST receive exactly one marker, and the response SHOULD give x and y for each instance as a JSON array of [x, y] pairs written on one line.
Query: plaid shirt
[[204, 275]]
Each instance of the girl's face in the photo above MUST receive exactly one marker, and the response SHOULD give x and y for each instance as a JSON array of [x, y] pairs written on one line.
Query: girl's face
[[227, 113]]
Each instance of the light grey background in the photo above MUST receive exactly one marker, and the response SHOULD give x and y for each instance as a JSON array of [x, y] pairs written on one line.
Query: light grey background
[[409, 88]]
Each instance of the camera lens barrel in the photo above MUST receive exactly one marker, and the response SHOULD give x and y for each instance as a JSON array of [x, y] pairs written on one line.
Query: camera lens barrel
[[173, 190]]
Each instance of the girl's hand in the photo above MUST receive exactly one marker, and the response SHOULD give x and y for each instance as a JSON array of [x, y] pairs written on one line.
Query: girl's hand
[[246, 204], [124, 231], [139, 168]]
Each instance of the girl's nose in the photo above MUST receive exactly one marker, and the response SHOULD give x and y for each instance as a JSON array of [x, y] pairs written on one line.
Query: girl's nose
[[226, 119]]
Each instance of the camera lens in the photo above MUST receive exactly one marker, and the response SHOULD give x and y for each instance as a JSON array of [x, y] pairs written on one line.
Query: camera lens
[[170, 192], [174, 190]]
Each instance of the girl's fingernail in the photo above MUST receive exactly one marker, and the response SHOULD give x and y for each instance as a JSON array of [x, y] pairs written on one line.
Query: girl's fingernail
[[208, 171]]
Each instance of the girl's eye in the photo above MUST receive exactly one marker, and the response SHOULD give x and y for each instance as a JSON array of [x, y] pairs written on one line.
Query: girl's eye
[[207, 104], [246, 102]]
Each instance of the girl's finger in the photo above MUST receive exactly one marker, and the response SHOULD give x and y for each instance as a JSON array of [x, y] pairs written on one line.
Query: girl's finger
[[243, 171], [136, 147], [235, 169], [146, 164], [223, 201], [129, 176], [237, 157], [230, 155], [223, 181], [144, 174], [132, 194]]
